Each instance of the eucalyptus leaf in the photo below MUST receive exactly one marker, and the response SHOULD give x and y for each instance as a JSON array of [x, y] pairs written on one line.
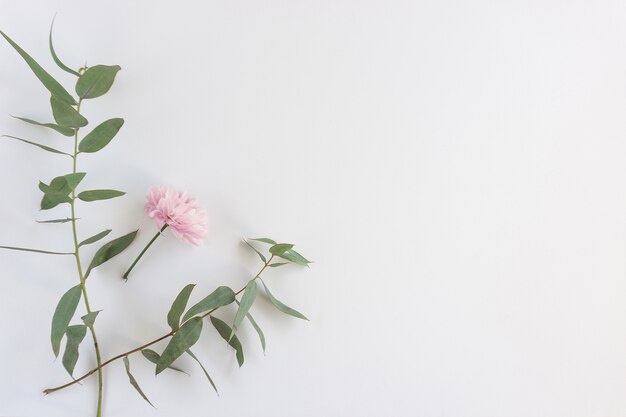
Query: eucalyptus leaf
[[178, 307], [63, 315], [63, 185], [90, 318], [183, 339], [36, 250], [257, 252], [257, 328], [75, 335], [44, 147], [95, 238], [96, 81], [56, 58], [100, 136], [66, 115], [280, 248], [265, 240], [65, 131], [154, 357], [225, 331], [220, 297], [190, 353], [46, 79], [293, 256], [133, 381], [277, 264], [96, 195], [249, 295], [282, 307], [67, 220], [111, 249], [53, 196]]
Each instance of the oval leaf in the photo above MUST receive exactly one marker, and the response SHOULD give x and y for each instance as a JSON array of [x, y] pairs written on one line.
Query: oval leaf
[[282, 307], [280, 248], [247, 300], [225, 331], [46, 79], [183, 339], [63, 315], [66, 115], [95, 238], [96, 81], [96, 195], [111, 249], [75, 335], [101, 136], [220, 297], [65, 131], [133, 381], [178, 307]]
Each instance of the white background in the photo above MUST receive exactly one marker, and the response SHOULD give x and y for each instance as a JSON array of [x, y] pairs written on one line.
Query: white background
[[455, 168]]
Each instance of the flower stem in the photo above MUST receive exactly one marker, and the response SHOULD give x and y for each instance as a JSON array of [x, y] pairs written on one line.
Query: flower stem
[[125, 276], [81, 276], [142, 347]]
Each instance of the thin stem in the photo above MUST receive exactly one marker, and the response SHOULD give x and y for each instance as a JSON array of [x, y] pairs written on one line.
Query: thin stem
[[81, 276], [142, 347], [125, 276]]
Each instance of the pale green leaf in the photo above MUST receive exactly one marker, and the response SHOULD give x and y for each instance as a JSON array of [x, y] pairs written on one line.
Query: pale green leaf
[[110, 249], [280, 248], [96, 195], [46, 79], [66, 115], [277, 264], [190, 353], [257, 252], [44, 147], [265, 240], [247, 299], [75, 335], [90, 318], [257, 328], [183, 339], [100, 136], [56, 58], [282, 307], [225, 331], [154, 357], [178, 307], [293, 256], [54, 221], [65, 131], [95, 238], [220, 297], [133, 381], [36, 250], [96, 81], [63, 315]]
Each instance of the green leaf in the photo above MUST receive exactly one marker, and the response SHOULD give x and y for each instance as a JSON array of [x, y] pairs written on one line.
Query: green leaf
[[280, 248], [95, 195], [257, 252], [220, 297], [55, 221], [183, 339], [65, 131], [63, 315], [293, 256], [282, 307], [50, 83], [53, 196], [277, 264], [101, 135], [96, 81], [154, 357], [111, 249], [95, 238], [90, 318], [56, 58], [75, 335], [190, 353], [36, 251], [66, 115], [257, 328], [265, 240], [178, 307], [225, 331], [44, 147], [60, 186], [247, 300], [133, 381]]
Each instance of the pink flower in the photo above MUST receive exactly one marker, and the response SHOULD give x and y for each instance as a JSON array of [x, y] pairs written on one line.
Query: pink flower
[[181, 213]]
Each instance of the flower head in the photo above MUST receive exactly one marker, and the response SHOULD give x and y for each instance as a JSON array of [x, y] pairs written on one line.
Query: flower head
[[181, 213]]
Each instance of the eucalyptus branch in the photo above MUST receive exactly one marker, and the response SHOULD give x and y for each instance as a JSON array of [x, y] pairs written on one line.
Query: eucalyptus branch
[[144, 346]]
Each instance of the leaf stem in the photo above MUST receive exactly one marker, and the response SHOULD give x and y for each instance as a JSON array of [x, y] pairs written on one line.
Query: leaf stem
[[159, 233], [142, 347], [81, 276]]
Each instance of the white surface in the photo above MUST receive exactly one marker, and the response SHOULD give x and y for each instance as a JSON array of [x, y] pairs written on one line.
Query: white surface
[[457, 170]]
